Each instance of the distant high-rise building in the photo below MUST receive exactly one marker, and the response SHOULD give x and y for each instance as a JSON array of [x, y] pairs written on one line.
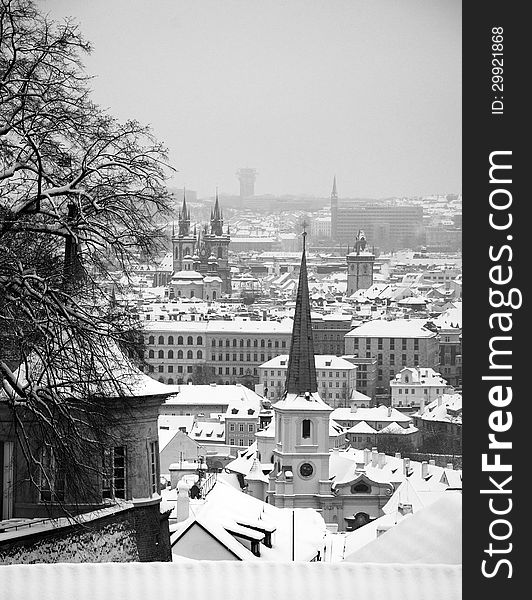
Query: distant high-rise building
[[389, 226], [247, 182]]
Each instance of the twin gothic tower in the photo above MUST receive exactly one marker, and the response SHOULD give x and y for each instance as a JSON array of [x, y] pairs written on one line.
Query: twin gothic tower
[[205, 251]]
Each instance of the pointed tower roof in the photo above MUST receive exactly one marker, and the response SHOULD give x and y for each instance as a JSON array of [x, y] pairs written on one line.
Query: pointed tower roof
[[301, 375], [334, 193]]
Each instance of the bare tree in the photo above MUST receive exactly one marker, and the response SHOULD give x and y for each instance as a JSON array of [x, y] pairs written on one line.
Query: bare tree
[[80, 194]]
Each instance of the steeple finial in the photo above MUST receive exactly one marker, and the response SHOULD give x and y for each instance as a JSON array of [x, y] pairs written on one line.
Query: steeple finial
[[334, 193], [301, 375]]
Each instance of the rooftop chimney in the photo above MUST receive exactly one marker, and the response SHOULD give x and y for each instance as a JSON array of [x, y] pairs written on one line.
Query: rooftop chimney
[[367, 455], [406, 465], [389, 411], [405, 509], [382, 459], [354, 408], [424, 469], [449, 466], [432, 462], [374, 457], [397, 455]]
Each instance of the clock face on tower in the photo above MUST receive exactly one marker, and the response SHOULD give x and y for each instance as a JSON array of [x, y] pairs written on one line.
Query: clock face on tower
[[306, 470]]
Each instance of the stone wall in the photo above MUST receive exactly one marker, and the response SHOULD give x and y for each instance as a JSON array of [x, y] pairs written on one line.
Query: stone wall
[[138, 534]]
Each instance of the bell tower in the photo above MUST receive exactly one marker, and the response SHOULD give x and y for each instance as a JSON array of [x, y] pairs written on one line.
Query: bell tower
[[217, 245], [301, 456], [182, 244], [359, 266]]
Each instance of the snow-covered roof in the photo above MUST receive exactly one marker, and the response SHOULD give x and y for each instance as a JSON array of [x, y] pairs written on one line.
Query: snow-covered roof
[[303, 402], [451, 318], [219, 326], [112, 374], [229, 507], [419, 375], [398, 328], [322, 362], [208, 431], [378, 413], [396, 429], [430, 535], [184, 275], [234, 396], [361, 427], [225, 580], [446, 408]]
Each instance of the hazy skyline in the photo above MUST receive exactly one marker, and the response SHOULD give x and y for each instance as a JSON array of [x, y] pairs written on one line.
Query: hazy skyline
[[300, 90]]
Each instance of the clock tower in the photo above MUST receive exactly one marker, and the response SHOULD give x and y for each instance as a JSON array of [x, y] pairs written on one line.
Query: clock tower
[[300, 477]]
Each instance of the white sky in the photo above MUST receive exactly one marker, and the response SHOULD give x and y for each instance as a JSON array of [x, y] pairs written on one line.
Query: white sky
[[369, 90]]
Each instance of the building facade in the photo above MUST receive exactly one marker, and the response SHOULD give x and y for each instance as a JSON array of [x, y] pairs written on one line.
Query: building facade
[[212, 351], [395, 344], [336, 378], [413, 386]]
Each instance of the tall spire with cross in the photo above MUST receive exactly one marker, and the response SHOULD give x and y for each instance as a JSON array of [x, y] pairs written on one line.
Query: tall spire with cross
[[301, 376]]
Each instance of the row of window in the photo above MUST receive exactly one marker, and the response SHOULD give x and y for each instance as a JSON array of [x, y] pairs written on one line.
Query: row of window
[[251, 427], [170, 369], [179, 354], [248, 343], [240, 357], [240, 442], [403, 342], [180, 340], [413, 391]]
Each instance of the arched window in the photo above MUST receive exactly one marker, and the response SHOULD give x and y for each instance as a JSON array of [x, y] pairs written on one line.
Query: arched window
[[170, 381], [151, 340], [179, 293], [241, 343], [220, 252], [192, 293], [234, 342], [248, 343], [180, 354], [161, 380], [187, 251], [305, 428], [170, 340], [199, 341], [199, 354], [190, 341], [161, 339], [227, 342], [190, 354], [214, 295], [180, 340], [180, 381], [161, 354], [151, 354], [262, 343], [170, 354]]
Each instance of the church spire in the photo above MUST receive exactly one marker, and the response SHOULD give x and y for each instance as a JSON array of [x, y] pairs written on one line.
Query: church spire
[[184, 217], [301, 376], [334, 193], [216, 218]]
